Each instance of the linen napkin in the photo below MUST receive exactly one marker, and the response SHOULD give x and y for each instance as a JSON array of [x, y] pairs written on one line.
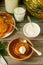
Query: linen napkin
[[2, 61]]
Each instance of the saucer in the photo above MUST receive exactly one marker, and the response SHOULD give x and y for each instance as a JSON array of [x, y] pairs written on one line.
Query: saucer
[[31, 30]]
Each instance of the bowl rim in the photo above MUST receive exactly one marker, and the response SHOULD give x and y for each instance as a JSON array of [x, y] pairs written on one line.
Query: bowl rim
[[27, 57], [24, 31]]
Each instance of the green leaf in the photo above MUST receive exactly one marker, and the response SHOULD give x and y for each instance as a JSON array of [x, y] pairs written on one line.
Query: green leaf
[[3, 49]]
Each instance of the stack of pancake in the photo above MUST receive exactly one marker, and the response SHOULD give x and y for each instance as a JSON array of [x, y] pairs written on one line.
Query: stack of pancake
[[4, 26]]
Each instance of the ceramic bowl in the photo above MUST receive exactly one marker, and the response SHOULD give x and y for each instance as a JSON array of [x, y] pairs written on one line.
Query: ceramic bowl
[[31, 30], [11, 52]]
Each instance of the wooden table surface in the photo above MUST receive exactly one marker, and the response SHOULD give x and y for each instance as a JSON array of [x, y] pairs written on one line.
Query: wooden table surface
[[37, 42]]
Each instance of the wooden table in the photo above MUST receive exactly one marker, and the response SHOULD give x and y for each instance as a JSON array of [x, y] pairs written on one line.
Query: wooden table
[[37, 42]]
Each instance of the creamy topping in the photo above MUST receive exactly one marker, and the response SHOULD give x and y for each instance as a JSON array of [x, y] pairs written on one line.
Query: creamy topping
[[22, 50], [31, 29]]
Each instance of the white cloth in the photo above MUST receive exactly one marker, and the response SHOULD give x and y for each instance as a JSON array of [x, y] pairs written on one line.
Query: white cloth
[[2, 61]]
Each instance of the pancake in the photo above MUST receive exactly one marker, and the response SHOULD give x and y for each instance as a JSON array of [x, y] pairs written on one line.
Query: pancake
[[9, 28], [1, 34], [4, 26]]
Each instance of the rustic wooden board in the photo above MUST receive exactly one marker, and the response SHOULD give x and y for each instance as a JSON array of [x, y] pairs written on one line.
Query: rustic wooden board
[[20, 26], [37, 42], [34, 60]]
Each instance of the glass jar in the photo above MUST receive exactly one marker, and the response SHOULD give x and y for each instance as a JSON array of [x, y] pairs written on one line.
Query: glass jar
[[10, 5], [19, 13]]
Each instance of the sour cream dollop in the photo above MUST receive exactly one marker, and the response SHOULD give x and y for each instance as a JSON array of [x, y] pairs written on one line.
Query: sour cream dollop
[[22, 50]]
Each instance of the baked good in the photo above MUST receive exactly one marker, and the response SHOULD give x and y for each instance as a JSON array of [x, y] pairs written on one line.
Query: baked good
[[5, 18]]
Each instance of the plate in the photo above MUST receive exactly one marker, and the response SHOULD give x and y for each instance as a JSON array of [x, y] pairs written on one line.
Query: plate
[[31, 30], [6, 34]]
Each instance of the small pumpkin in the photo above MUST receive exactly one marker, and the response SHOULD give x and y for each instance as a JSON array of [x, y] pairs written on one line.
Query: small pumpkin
[[35, 7]]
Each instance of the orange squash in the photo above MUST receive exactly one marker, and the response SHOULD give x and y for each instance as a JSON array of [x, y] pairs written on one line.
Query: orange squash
[[41, 2], [35, 7]]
